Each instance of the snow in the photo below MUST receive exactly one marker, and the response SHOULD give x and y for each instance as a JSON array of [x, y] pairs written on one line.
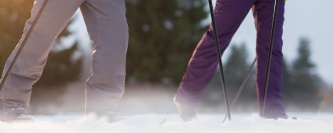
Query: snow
[[149, 123]]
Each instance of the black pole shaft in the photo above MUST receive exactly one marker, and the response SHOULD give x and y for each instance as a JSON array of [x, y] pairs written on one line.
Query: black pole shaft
[[23, 44], [219, 58], [270, 55], [241, 88]]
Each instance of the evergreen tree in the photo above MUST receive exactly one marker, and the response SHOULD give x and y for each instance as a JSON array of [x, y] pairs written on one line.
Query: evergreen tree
[[235, 69], [163, 35], [304, 88], [287, 82], [13, 15]]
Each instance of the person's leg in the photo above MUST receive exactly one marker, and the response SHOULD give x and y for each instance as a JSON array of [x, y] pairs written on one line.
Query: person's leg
[[29, 65], [263, 13], [229, 15], [1, 108], [107, 27]]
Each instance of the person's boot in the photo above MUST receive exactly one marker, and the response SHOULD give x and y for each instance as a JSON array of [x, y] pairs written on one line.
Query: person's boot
[[278, 116], [110, 116], [284, 117], [16, 115], [186, 113]]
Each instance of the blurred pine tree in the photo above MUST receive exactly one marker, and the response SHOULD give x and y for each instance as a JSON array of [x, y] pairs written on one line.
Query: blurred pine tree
[[304, 83], [163, 35], [235, 68], [13, 15]]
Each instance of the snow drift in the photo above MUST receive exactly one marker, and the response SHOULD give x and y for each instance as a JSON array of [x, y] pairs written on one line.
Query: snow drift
[[150, 123]]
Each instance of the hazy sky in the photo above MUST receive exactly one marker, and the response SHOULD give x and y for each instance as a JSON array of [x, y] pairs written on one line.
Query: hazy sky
[[303, 18]]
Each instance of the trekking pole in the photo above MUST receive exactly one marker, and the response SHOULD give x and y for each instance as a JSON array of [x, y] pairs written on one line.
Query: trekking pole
[[241, 88], [219, 58], [23, 43], [270, 55]]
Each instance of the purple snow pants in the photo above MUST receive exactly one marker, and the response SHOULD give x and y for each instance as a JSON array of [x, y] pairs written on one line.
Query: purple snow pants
[[229, 15]]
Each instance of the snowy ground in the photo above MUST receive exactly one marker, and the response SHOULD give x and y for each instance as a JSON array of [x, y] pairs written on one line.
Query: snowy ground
[[149, 123]]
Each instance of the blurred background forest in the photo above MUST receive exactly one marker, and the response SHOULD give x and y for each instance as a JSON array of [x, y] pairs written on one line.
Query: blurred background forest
[[163, 35]]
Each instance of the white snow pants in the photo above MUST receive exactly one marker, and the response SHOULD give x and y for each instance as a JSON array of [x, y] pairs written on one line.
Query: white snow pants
[[107, 27]]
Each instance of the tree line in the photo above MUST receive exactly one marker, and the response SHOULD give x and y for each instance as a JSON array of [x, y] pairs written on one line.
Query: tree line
[[163, 35], [301, 83]]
